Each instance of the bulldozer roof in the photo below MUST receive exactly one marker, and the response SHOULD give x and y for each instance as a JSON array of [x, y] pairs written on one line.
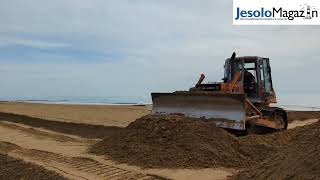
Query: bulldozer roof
[[249, 58]]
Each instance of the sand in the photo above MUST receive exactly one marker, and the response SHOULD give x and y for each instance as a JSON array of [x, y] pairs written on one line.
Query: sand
[[109, 115], [302, 115], [172, 141], [67, 155], [299, 159], [79, 129], [61, 153], [176, 141], [179, 142], [12, 168], [57, 138]]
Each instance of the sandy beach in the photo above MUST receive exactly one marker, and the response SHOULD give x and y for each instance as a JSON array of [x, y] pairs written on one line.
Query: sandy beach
[[108, 115], [59, 137]]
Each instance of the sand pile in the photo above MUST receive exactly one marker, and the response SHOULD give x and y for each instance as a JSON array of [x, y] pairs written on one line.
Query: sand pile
[[177, 141], [299, 159]]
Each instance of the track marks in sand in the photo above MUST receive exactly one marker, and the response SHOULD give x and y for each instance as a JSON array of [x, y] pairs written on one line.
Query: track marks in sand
[[12, 168], [30, 138], [71, 167], [60, 153], [77, 129], [42, 132]]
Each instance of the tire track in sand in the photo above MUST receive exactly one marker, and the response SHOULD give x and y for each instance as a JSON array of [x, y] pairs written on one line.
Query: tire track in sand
[[63, 154]]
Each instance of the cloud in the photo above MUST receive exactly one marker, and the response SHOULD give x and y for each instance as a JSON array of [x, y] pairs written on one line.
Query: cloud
[[108, 47], [14, 41]]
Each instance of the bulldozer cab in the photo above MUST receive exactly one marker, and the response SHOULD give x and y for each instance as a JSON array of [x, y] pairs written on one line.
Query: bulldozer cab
[[255, 77]]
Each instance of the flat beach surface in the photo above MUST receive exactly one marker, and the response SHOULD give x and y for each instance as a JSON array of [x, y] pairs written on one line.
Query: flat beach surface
[[108, 115]]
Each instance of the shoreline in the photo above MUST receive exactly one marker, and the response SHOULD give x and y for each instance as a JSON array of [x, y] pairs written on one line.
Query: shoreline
[[67, 102]]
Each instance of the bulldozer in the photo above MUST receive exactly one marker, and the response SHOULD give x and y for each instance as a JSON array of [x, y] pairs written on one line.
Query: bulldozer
[[240, 102]]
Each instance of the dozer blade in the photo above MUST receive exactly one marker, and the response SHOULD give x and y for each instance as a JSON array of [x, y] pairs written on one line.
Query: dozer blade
[[227, 110]]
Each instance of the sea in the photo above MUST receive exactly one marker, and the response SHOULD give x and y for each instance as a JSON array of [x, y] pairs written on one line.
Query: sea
[[288, 102], [85, 100]]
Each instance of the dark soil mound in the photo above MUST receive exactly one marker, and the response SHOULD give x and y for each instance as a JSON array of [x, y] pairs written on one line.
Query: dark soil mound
[[299, 159], [177, 141], [11, 168]]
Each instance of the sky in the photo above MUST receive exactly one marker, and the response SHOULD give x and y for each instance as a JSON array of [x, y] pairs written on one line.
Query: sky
[[130, 48]]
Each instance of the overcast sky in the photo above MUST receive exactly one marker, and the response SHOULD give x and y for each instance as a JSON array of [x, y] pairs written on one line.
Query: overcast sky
[[130, 48]]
